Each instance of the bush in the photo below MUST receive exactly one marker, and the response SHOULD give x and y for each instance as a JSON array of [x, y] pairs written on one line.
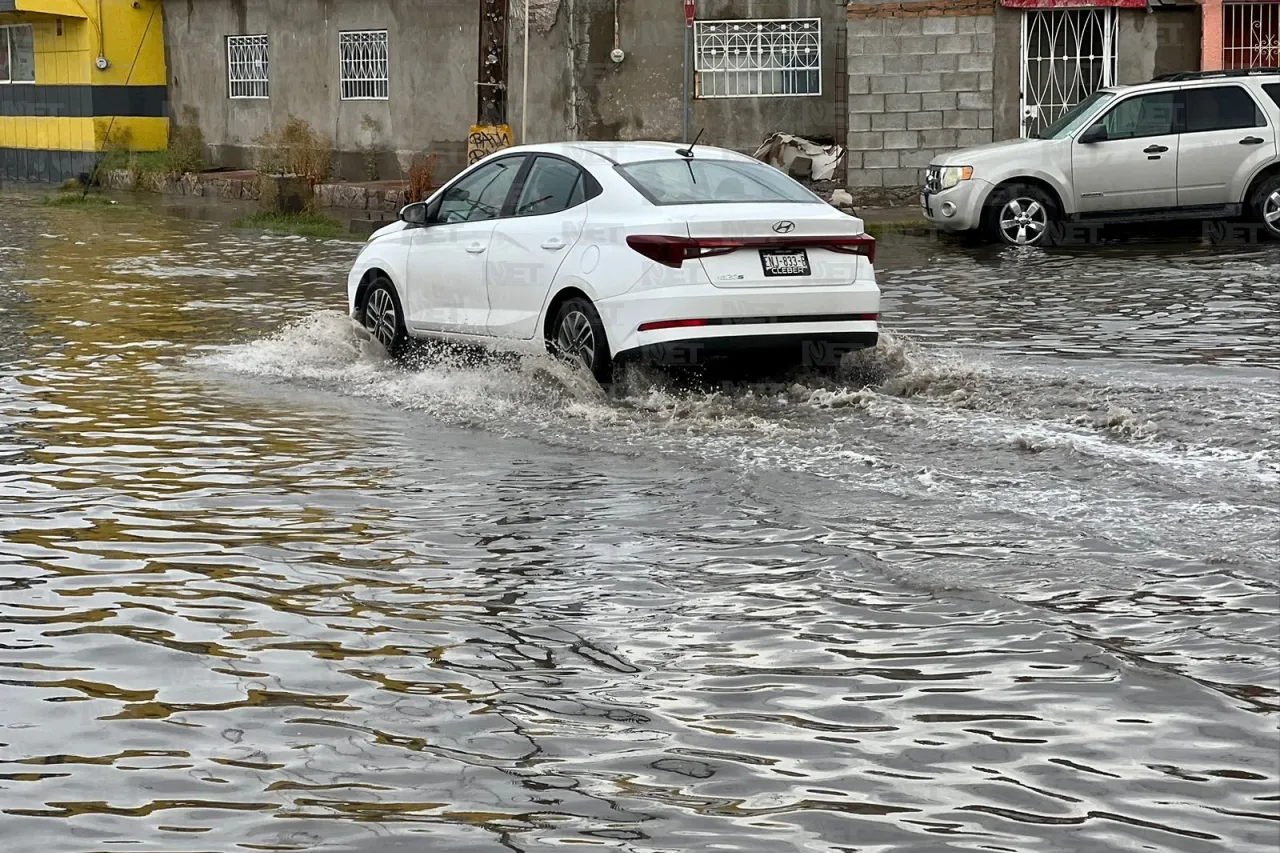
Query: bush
[[295, 149], [184, 154], [422, 177]]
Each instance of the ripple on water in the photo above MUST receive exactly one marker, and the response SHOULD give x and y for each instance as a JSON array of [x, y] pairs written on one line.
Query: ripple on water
[[281, 593]]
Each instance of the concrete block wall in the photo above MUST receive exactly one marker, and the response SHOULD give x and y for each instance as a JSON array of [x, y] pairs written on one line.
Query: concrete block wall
[[921, 82]]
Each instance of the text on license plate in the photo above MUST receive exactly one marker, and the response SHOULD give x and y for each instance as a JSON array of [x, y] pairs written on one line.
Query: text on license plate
[[785, 262]]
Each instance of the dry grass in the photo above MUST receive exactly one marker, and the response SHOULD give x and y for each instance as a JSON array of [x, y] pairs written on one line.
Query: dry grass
[[422, 176], [295, 149]]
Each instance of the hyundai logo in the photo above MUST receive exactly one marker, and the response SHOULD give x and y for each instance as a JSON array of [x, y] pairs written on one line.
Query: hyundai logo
[[784, 227]]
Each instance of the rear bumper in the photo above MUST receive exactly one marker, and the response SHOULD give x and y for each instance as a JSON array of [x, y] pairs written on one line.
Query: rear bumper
[[745, 319], [815, 348]]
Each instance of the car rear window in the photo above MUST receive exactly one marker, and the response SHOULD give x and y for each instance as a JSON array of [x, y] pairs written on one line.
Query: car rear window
[[681, 181]]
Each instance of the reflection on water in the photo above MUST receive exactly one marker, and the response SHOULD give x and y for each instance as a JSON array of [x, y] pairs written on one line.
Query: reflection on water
[[260, 590]]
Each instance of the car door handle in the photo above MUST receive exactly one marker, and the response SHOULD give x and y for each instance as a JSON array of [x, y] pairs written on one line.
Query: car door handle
[[1251, 140], [555, 244], [1155, 149], [476, 248]]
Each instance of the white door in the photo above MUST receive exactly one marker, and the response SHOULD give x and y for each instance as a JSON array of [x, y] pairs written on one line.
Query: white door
[[1136, 166], [1224, 141], [447, 286], [531, 245], [1067, 55]]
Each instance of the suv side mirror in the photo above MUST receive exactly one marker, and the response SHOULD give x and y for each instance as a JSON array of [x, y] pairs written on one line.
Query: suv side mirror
[[1097, 133], [415, 214]]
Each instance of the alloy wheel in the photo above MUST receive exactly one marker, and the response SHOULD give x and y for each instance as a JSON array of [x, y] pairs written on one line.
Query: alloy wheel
[[1023, 221], [575, 338], [1271, 212], [380, 318]]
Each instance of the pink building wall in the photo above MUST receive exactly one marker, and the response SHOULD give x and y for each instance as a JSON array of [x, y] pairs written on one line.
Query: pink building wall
[[1211, 35]]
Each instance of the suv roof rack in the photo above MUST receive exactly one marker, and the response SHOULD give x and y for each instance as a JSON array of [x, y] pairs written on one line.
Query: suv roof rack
[[1179, 76]]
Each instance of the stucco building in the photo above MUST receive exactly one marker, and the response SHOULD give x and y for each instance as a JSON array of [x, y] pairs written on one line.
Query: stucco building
[[75, 75], [1240, 34], [384, 79]]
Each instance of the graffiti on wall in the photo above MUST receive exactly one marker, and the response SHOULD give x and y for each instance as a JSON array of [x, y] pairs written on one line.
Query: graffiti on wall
[[486, 139]]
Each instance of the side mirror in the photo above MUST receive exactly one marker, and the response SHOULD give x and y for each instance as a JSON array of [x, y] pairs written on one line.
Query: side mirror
[[415, 214], [1097, 133]]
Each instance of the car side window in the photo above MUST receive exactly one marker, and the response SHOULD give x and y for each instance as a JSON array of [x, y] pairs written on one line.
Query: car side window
[[1273, 92], [481, 195], [553, 185], [1221, 108], [1144, 115]]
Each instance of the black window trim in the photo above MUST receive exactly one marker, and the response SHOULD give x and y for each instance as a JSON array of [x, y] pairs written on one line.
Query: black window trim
[[592, 187], [1181, 112], [507, 202]]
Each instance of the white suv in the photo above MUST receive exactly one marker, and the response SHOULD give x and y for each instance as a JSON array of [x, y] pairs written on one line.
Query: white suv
[[1196, 145]]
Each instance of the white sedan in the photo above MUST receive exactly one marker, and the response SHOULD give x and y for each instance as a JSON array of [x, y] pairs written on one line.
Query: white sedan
[[604, 252]]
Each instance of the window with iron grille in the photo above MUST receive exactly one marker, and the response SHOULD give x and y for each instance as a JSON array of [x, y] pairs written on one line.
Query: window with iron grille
[[758, 58], [1250, 35], [17, 55], [363, 59], [247, 72]]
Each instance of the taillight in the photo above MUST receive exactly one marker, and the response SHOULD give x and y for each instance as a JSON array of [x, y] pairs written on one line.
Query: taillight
[[668, 251], [674, 251]]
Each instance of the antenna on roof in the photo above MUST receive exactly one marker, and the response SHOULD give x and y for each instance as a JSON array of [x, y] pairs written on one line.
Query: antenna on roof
[[688, 152]]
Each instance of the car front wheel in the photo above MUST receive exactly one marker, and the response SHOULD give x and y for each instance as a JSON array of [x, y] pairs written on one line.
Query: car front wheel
[[578, 336], [1021, 215], [383, 318], [1265, 206]]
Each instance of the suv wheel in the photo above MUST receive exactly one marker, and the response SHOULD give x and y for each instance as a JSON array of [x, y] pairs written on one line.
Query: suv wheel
[[1265, 206], [1021, 215]]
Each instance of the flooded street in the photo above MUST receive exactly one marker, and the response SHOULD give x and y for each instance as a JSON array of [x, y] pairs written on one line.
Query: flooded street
[[1016, 589]]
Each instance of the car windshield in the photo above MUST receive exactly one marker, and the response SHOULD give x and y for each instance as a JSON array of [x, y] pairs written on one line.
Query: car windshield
[[681, 181], [1073, 118]]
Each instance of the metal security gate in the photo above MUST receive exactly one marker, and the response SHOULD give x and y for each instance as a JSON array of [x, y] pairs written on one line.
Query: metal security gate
[[1250, 35], [1067, 55]]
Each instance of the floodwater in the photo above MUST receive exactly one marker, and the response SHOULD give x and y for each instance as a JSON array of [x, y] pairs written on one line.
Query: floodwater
[[1013, 589]]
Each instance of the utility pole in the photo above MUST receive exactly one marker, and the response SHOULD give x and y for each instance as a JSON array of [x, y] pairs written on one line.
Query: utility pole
[[690, 17], [491, 80]]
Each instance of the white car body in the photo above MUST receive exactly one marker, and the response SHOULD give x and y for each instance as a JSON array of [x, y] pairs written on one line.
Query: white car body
[[1180, 147], [498, 281]]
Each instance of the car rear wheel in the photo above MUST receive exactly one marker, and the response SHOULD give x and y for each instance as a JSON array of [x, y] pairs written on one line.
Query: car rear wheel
[[1021, 215], [1265, 206], [383, 318], [578, 337]]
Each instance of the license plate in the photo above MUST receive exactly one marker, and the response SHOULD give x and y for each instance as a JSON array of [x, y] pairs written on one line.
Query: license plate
[[785, 262]]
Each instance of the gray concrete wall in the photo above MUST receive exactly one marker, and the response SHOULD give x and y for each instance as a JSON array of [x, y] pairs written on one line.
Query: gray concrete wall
[[641, 97], [1178, 41], [923, 85], [432, 71], [1160, 42], [575, 89], [949, 76]]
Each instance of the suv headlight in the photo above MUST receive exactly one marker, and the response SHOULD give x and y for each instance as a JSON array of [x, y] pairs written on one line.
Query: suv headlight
[[952, 175]]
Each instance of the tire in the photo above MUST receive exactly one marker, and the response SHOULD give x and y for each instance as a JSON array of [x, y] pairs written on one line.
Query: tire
[[1021, 215], [578, 336], [383, 318], [1264, 207]]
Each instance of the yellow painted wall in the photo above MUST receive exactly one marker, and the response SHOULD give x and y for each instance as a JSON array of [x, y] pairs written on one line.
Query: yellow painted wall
[[134, 43], [62, 59], [131, 39]]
